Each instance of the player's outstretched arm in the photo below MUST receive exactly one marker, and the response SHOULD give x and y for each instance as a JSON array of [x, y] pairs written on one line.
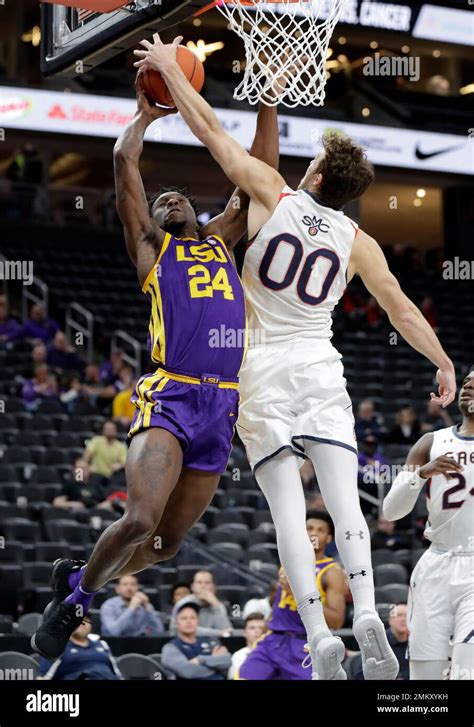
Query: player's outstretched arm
[[262, 183], [408, 484], [368, 260], [231, 224], [143, 237]]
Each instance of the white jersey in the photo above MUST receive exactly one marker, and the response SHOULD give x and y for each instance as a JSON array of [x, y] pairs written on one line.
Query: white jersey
[[294, 271], [450, 501]]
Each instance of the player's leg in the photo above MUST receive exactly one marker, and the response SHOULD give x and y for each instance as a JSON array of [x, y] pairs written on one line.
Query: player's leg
[[293, 662], [429, 670], [461, 588], [186, 505], [336, 470], [430, 617], [262, 662], [280, 482], [153, 466]]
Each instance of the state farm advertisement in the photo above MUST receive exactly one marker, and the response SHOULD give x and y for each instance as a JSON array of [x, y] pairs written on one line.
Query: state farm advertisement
[[103, 116]]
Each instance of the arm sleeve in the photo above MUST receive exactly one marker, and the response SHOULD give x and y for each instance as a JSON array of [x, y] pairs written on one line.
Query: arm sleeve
[[402, 496], [113, 625], [220, 618], [217, 662], [172, 658], [154, 621], [91, 445]]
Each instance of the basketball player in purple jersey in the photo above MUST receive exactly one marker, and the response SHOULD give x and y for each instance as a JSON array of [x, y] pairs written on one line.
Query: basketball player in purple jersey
[[280, 652], [180, 437], [294, 403]]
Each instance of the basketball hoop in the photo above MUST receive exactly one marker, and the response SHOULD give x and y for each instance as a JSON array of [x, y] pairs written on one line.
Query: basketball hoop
[[286, 45]]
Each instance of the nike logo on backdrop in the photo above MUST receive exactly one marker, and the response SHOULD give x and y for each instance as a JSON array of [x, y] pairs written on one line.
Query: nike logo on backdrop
[[427, 155]]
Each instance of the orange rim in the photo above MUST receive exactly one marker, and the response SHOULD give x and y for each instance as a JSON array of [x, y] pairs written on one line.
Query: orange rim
[[206, 8]]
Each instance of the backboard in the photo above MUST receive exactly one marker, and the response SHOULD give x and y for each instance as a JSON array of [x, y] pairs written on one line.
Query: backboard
[[74, 41]]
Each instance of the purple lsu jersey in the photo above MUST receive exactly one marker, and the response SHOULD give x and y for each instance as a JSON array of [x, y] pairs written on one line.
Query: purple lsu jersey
[[197, 301], [285, 616], [197, 336], [280, 653]]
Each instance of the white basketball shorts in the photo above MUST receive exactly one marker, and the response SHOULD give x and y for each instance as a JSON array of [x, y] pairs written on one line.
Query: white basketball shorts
[[293, 391], [440, 604]]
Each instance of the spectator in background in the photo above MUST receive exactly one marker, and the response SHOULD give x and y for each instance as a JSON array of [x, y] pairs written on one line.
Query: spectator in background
[[38, 327], [190, 656], [71, 393], [122, 408], [9, 327], [308, 477], [61, 355], [436, 418], [428, 309], [373, 314], [407, 427], [105, 453], [26, 172], [373, 469], [368, 421], [130, 612], [261, 605], [213, 617], [86, 657], [42, 386], [315, 502], [101, 385], [109, 371], [254, 627], [353, 308], [386, 537], [179, 590], [39, 354], [397, 635], [82, 489]]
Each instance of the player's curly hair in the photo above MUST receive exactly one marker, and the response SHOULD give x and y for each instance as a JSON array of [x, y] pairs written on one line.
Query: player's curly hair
[[346, 171], [172, 188]]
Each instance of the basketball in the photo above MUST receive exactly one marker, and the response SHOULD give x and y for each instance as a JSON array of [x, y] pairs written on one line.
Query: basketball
[[155, 87]]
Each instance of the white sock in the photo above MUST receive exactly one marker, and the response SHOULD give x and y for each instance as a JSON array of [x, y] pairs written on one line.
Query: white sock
[[280, 482], [336, 470]]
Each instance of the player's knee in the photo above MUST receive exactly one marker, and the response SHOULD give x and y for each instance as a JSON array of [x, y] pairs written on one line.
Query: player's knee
[[164, 549], [138, 526]]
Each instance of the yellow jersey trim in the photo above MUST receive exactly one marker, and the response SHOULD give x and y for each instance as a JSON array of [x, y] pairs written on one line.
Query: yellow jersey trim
[[330, 562], [164, 247], [192, 380]]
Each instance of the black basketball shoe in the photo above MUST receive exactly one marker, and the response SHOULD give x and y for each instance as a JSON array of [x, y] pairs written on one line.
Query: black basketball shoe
[[60, 620]]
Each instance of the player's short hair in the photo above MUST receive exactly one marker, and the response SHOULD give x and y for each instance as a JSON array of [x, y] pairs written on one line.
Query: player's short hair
[[172, 188], [346, 171], [255, 616], [321, 515]]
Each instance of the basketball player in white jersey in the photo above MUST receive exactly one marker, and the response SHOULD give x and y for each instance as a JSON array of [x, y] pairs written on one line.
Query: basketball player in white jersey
[[294, 401], [441, 597]]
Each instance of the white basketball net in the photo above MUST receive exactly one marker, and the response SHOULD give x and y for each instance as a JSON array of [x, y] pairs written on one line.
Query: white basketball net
[[285, 41]]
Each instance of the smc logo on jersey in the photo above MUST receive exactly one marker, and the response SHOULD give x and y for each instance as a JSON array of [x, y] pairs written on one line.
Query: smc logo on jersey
[[315, 225]]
